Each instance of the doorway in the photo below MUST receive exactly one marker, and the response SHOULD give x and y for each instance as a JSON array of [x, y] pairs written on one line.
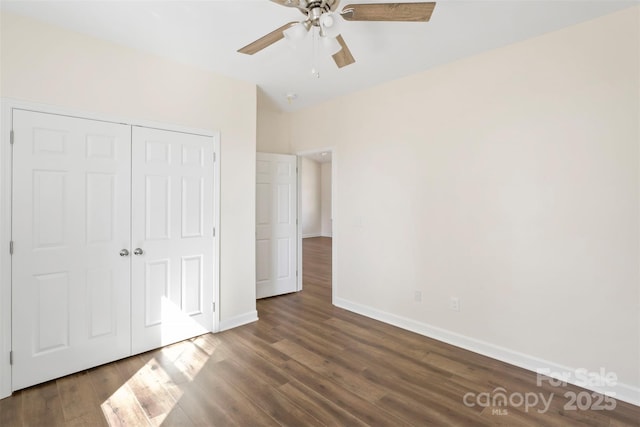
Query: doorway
[[316, 209]]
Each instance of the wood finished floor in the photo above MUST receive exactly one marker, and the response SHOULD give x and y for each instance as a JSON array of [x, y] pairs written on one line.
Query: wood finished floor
[[304, 363]]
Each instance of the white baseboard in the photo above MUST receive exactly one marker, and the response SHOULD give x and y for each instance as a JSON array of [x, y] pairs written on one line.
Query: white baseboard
[[623, 392], [306, 236], [325, 235], [239, 320]]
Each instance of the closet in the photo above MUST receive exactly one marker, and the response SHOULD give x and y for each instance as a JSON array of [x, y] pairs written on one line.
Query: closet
[[113, 242]]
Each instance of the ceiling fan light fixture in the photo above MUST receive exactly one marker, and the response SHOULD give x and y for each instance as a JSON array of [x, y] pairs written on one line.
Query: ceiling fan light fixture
[[327, 20], [329, 24], [296, 32], [330, 45]]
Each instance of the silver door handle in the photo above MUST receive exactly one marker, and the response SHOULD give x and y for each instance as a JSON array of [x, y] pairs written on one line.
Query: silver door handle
[[138, 251], [124, 252]]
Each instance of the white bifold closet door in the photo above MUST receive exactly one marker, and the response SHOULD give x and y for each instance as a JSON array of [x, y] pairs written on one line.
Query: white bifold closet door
[[71, 219], [113, 242], [172, 218]]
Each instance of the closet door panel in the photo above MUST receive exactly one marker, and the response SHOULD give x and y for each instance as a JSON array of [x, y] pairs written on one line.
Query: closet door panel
[[71, 219], [172, 220]]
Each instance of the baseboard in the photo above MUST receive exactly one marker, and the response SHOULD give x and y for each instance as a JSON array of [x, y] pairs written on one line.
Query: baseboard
[[239, 320], [325, 235], [620, 391], [306, 236]]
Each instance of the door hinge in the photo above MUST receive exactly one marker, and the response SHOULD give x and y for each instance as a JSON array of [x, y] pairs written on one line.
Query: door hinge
[[11, 247], [11, 358], [214, 232], [214, 156], [213, 306], [11, 137]]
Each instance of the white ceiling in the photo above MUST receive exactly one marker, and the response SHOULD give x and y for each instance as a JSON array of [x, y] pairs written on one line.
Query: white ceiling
[[208, 33]]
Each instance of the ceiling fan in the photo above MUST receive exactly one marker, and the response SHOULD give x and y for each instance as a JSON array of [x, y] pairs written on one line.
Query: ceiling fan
[[321, 14]]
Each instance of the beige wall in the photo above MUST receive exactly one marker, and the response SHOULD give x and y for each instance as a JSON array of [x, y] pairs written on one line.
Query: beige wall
[[311, 201], [273, 129], [325, 199], [45, 64], [509, 180]]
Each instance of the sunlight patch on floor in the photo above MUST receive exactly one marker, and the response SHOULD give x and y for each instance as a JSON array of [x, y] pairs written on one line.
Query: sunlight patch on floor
[[150, 395]]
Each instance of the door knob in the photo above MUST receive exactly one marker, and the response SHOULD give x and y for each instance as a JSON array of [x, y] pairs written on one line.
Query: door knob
[[124, 252], [138, 251]]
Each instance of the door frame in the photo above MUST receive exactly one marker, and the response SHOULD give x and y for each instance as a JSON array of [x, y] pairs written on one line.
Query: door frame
[[334, 169], [7, 105]]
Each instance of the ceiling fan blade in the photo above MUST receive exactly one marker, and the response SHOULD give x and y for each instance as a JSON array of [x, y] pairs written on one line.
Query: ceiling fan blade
[[416, 12], [343, 57], [267, 40]]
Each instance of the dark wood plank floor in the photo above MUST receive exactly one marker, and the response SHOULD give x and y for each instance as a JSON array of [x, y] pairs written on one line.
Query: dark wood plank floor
[[305, 363]]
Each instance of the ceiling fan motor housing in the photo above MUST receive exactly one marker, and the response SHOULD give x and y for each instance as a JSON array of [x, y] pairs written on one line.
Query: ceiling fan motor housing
[[316, 8]]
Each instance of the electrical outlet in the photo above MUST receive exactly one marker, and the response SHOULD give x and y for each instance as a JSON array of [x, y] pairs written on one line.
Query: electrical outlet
[[454, 304], [417, 296]]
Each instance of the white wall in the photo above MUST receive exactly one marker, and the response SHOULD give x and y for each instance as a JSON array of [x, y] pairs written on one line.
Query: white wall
[[45, 64], [311, 193], [325, 199], [510, 180]]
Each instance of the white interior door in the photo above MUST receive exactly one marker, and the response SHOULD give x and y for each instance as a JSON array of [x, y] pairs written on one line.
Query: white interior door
[[173, 237], [276, 218], [71, 219]]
